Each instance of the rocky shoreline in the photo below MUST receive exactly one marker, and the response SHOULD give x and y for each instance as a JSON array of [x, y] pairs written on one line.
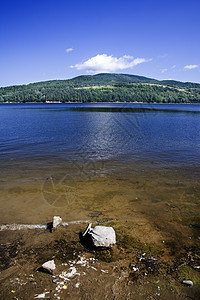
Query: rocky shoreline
[[132, 269]]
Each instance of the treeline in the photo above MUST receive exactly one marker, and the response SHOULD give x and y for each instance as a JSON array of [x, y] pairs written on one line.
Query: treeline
[[104, 88]]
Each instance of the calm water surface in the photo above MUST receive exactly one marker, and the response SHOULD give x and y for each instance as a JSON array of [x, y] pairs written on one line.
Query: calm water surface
[[100, 131]]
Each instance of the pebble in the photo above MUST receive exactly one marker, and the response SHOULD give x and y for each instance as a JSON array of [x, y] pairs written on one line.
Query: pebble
[[187, 282], [134, 268], [55, 280]]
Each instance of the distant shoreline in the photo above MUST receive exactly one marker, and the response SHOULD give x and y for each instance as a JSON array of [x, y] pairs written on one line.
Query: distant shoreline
[[102, 102]]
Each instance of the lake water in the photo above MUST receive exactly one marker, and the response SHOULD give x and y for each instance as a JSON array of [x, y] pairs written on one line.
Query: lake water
[[100, 132], [103, 161]]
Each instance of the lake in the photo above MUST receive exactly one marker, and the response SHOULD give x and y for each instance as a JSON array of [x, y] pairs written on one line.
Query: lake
[[132, 163], [100, 131]]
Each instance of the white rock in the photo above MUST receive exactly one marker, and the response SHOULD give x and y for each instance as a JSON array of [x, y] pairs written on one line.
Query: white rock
[[188, 282], [49, 266], [56, 221], [102, 236]]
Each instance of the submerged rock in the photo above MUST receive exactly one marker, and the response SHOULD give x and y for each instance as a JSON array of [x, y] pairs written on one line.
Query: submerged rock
[[99, 236]]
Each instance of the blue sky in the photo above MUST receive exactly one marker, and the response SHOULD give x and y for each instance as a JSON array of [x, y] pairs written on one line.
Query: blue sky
[[45, 40]]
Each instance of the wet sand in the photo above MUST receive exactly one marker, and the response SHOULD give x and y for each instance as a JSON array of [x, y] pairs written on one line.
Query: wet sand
[[153, 207]]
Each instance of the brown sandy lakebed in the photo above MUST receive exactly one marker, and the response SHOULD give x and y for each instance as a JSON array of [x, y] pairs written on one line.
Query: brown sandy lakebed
[[154, 211]]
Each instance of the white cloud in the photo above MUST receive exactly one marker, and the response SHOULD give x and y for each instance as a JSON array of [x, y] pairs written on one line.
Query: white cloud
[[190, 67], [108, 63], [164, 70], [69, 50], [128, 56], [174, 66]]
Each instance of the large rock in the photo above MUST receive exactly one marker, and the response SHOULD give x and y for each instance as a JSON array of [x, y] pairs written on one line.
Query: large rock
[[100, 236]]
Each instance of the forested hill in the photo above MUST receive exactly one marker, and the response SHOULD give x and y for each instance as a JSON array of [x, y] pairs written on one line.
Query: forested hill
[[104, 88]]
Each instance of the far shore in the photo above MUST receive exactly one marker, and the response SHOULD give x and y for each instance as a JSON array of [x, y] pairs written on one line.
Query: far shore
[[102, 102]]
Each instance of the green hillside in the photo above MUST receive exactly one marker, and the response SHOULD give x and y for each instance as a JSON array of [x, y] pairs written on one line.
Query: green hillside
[[104, 88]]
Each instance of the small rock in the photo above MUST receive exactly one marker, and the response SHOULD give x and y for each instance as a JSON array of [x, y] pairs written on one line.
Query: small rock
[[49, 266], [187, 282], [56, 221]]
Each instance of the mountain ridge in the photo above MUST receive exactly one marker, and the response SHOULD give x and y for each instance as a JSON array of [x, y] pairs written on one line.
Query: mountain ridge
[[138, 78]]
